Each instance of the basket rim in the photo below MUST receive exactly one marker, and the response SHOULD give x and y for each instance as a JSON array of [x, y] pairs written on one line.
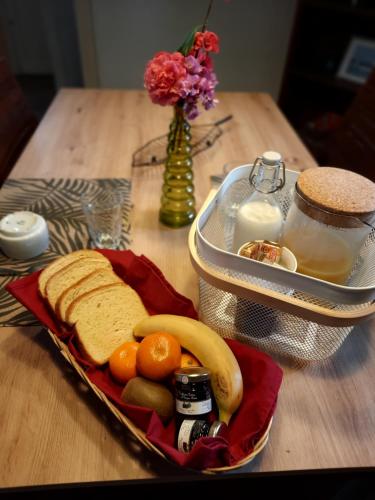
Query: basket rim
[[138, 433], [217, 256]]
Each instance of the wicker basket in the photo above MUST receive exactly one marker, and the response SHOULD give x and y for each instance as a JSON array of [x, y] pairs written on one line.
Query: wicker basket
[[138, 433], [276, 310]]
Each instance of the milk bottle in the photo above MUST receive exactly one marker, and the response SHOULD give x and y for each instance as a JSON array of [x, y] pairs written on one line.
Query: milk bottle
[[259, 217]]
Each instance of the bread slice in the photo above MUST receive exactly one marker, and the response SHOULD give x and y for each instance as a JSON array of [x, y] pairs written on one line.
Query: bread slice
[[94, 280], [104, 319], [69, 275], [63, 261]]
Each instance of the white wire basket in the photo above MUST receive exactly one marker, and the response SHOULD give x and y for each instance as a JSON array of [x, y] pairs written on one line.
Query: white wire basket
[[274, 309]]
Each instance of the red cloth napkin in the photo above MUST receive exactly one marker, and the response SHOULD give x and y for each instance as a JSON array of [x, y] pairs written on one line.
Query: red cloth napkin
[[261, 376]]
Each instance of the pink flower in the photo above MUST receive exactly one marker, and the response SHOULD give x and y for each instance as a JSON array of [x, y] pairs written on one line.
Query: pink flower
[[189, 80], [207, 63], [189, 86], [208, 41], [192, 65], [163, 75]]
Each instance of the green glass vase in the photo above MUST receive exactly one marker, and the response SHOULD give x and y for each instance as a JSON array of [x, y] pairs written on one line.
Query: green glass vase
[[177, 200]]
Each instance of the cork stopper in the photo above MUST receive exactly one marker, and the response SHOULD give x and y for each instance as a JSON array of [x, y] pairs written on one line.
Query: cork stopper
[[338, 191]]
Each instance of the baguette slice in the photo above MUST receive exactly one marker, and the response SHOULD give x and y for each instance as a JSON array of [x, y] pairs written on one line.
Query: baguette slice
[[104, 319], [63, 261], [69, 275], [94, 280]]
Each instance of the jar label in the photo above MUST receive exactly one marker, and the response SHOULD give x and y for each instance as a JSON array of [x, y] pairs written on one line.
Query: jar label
[[190, 431], [193, 407], [193, 391], [183, 442]]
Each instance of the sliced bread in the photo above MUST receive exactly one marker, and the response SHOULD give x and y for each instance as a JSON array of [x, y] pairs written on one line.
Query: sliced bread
[[104, 319], [94, 280], [69, 275], [63, 261]]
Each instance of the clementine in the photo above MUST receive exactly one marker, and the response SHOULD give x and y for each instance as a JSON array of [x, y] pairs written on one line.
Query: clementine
[[188, 360], [123, 362], [159, 354]]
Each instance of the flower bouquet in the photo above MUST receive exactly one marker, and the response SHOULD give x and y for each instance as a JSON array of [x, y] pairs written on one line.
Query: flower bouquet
[[183, 79]]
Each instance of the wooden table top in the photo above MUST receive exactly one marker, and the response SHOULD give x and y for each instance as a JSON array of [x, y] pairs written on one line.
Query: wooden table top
[[54, 430]]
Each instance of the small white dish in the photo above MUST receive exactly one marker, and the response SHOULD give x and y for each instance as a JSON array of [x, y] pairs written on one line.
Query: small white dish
[[287, 259]]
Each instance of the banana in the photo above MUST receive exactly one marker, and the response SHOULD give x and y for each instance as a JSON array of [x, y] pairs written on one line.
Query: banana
[[210, 349]]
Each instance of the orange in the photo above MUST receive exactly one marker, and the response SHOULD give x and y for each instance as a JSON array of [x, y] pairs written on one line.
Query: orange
[[188, 360], [159, 354], [123, 362]]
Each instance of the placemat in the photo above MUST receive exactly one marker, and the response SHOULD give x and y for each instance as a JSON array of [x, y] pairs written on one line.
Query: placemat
[[58, 201]]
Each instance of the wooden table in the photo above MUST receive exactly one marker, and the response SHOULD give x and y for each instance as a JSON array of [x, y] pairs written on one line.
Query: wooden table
[[54, 430]]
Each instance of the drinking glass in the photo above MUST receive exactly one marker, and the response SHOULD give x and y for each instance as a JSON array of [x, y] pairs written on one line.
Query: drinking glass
[[103, 210]]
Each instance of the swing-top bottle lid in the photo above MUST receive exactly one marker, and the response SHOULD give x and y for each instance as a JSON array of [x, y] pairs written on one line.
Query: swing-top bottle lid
[[271, 157], [265, 179]]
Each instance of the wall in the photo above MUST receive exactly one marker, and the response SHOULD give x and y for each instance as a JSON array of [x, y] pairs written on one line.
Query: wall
[[23, 27], [254, 38], [41, 38]]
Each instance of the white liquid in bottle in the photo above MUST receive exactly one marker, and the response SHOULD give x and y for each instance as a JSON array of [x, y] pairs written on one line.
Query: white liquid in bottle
[[259, 217], [257, 220]]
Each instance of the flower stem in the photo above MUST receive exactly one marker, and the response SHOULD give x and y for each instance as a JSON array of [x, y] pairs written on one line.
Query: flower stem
[[207, 16]]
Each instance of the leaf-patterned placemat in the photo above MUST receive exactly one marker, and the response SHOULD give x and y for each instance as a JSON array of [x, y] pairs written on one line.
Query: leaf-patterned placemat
[[58, 201]]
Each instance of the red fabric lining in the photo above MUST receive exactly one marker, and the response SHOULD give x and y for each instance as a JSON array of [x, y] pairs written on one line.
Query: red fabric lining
[[261, 376]]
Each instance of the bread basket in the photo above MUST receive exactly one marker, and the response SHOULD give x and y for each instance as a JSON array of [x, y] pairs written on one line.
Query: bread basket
[[276, 310], [262, 377], [138, 433]]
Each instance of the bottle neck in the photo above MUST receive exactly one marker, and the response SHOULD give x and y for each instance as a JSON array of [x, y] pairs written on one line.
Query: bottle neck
[[266, 180]]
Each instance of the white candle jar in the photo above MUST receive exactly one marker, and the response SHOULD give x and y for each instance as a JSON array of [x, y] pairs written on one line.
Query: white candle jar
[[23, 235]]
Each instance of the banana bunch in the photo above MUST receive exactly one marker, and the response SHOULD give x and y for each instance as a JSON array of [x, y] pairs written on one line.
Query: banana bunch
[[210, 349]]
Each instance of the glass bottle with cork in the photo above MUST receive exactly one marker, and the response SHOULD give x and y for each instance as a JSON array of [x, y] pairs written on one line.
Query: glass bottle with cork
[[259, 217]]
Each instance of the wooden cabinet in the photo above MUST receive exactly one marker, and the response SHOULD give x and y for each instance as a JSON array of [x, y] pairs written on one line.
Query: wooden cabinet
[[313, 97]]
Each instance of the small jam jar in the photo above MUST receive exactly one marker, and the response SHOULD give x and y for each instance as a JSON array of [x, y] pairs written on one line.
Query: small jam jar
[[193, 393], [192, 430]]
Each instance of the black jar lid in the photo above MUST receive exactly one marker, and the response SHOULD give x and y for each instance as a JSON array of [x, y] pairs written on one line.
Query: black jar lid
[[192, 374]]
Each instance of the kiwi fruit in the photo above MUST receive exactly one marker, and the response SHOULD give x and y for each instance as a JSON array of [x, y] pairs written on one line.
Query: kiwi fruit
[[142, 392]]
